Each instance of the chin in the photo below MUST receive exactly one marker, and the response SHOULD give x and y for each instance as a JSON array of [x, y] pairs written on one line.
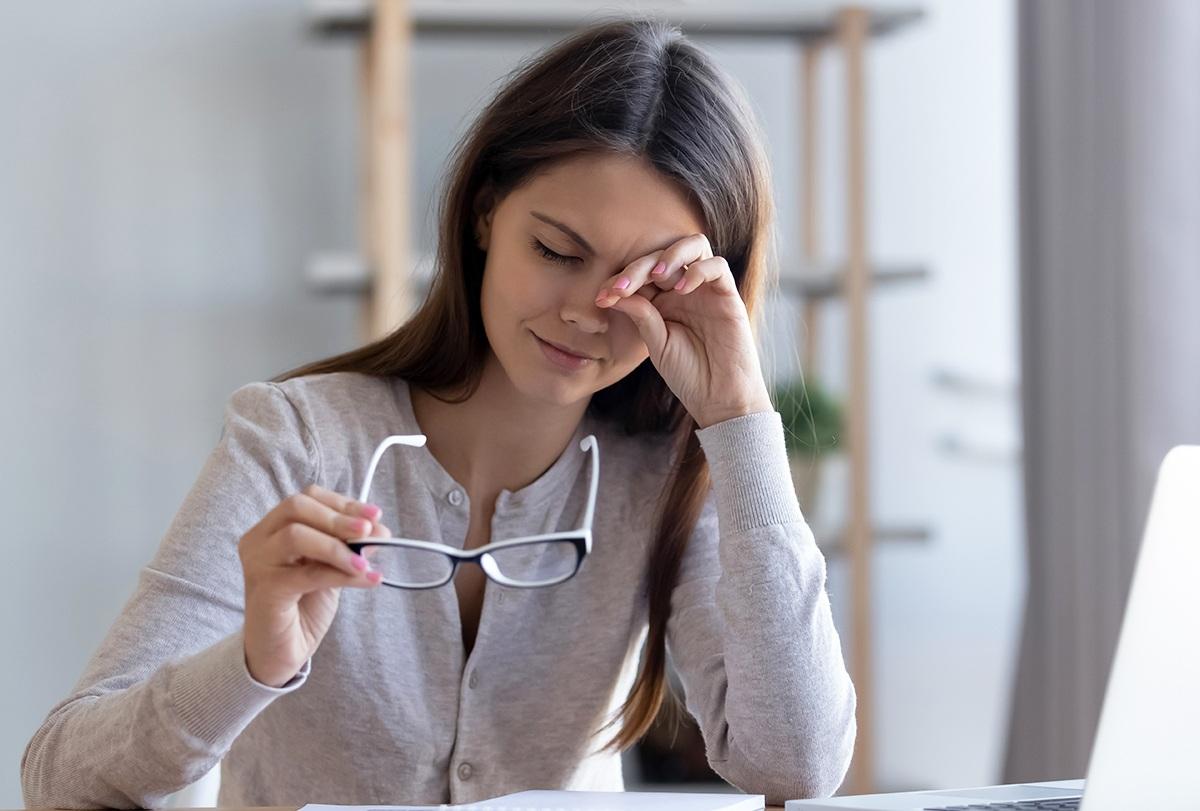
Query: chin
[[552, 389], [536, 381]]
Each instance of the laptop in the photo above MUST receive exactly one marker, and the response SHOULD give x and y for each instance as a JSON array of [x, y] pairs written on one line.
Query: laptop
[[1147, 747]]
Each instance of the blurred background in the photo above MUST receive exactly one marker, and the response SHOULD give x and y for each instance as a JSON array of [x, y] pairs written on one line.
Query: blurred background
[[182, 211]]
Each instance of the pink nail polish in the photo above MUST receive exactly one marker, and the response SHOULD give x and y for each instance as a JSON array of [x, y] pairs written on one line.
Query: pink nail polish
[[680, 285], [621, 284], [659, 269], [373, 511], [359, 562]]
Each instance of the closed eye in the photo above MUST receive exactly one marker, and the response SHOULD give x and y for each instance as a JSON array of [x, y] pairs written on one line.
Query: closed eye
[[550, 255]]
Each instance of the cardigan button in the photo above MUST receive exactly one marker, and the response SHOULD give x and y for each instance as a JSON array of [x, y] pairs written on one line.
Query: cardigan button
[[464, 771], [455, 497]]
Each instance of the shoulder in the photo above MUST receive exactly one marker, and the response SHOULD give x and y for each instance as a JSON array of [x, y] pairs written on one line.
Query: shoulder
[[340, 414], [335, 395]]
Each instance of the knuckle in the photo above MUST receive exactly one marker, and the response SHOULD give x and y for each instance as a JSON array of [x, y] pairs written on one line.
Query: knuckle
[[291, 534]]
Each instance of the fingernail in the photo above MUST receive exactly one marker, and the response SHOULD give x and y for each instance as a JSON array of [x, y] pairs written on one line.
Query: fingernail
[[374, 577], [680, 284], [358, 562], [372, 511], [659, 269], [621, 284], [362, 526]]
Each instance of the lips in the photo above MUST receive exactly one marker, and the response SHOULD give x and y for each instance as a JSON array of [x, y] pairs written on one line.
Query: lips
[[568, 349]]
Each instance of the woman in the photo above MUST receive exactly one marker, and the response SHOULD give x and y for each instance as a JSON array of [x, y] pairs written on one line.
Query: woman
[[603, 245]]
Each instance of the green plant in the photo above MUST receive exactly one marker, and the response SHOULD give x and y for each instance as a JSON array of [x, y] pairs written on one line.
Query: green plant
[[812, 418]]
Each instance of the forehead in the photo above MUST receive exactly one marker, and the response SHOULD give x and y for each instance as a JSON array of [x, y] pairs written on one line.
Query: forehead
[[621, 205]]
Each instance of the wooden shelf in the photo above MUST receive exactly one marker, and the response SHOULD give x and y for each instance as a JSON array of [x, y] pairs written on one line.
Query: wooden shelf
[[785, 19], [348, 274], [826, 281], [831, 544]]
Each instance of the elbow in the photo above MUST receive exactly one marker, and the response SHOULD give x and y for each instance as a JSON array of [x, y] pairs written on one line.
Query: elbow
[[794, 779], [829, 750], [827, 746], [48, 780], [31, 791], [779, 779], [38, 784], [46, 789], [43, 787], [799, 759], [821, 773]]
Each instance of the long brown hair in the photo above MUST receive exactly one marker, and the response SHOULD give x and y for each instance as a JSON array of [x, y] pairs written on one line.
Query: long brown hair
[[626, 86]]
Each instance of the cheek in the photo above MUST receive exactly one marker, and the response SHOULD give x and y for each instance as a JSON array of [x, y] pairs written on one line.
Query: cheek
[[507, 294], [523, 282]]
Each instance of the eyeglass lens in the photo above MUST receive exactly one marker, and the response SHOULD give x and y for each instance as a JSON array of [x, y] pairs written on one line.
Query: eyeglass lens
[[532, 564]]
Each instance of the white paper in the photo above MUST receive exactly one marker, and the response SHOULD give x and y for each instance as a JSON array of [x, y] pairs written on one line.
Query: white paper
[[583, 801]]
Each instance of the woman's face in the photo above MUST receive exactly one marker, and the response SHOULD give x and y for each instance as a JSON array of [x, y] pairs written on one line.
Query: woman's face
[[551, 245]]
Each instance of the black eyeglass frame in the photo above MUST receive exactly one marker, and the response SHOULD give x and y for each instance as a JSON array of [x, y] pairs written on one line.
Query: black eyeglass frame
[[580, 539]]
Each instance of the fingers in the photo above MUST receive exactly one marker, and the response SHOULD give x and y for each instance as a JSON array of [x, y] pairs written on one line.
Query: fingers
[[628, 281], [649, 322], [714, 270], [321, 509], [674, 261], [314, 576], [297, 544], [683, 267], [380, 531], [309, 551], [343, 503]]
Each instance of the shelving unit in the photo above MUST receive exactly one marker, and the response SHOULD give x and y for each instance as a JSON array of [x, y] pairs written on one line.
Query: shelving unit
[[383, 274]]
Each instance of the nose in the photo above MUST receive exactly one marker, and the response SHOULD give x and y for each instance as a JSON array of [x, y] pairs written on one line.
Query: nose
[[580, 309]]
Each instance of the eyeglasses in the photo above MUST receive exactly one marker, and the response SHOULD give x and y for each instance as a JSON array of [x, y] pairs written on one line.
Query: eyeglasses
[[532, 561]]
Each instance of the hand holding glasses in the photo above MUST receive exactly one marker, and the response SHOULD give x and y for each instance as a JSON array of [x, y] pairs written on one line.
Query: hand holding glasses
[[294, 564], [532, 561]]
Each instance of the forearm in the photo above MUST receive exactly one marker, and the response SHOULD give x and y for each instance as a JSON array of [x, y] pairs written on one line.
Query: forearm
[[132, 748], [786, 713]]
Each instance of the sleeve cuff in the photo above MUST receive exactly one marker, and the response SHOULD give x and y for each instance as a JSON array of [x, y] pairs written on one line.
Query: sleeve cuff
[[216, 697], [750, 471]]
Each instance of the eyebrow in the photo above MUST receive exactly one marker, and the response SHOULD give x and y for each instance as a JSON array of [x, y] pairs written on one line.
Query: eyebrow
[[566, 229]]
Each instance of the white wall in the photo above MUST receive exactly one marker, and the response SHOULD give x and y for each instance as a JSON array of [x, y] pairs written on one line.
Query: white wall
[[943, 179], [167, 170]]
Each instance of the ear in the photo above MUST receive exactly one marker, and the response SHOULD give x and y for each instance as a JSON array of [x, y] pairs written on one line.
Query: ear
[[484, 207]]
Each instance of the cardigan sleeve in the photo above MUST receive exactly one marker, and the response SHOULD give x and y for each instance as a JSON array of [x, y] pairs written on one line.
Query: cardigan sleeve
[[751, 633], [167, 692]]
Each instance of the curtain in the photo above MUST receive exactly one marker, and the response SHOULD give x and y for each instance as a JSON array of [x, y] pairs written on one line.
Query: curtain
[[1109, 196]]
